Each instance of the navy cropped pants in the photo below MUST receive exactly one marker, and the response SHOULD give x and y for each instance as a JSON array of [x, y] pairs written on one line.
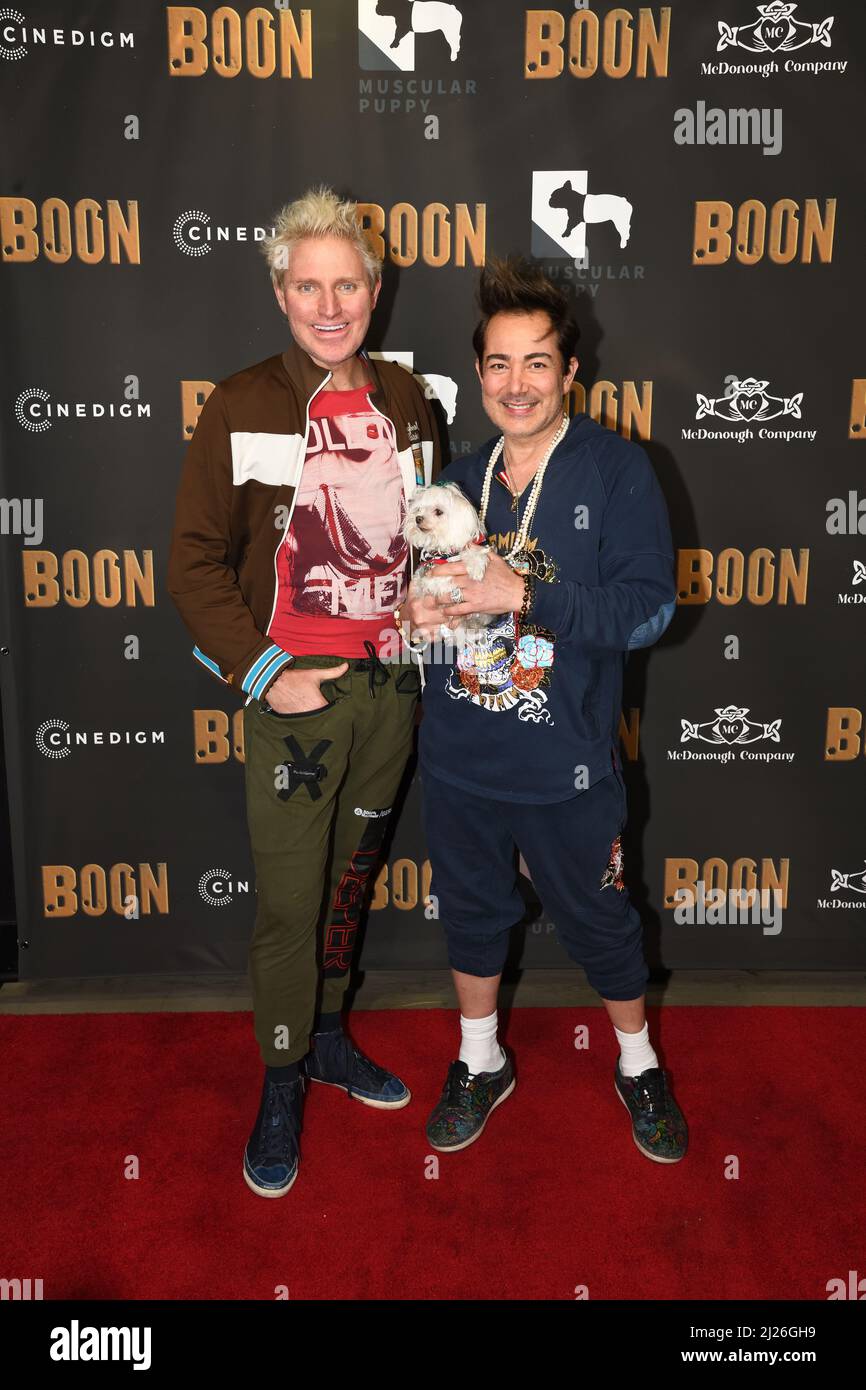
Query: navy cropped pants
[[573, 851]]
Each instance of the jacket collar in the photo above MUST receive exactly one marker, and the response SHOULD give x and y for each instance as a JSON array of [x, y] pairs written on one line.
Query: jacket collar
[[308, 376]]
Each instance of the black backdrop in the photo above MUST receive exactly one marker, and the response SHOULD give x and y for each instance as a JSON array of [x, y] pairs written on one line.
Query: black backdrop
[[127, 146]]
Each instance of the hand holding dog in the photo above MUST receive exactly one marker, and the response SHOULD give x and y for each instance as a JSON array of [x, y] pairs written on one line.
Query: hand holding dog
[[500, 591], [424, 615], [444, 525]]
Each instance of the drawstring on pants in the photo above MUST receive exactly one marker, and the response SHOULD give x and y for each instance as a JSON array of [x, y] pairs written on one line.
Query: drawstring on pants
[[378, 673]]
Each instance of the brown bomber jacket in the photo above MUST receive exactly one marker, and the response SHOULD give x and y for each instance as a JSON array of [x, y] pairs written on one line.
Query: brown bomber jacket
[[241, 466]]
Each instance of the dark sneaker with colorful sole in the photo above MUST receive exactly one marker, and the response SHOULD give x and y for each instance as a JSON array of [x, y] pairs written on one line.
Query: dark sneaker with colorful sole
[[466, 1103], [657, 1123], [333, 1060], [272, 1154]]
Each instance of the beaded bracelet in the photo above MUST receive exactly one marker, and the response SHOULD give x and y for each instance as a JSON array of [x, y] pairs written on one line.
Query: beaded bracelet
[[528, 598]]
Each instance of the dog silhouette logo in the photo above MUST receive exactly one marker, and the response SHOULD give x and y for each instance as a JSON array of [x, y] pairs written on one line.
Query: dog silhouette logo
[[564, 211], [387, 30]]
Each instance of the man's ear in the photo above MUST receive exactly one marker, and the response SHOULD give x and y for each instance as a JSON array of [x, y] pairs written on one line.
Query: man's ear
[[478, 371], [573, 365], [280, 297], [375, 292]]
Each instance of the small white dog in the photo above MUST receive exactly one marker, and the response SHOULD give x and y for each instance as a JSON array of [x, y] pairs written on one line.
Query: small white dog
[[444, 525]]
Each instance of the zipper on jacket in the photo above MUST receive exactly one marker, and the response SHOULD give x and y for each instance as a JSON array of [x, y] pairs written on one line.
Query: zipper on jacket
[[282, 539]]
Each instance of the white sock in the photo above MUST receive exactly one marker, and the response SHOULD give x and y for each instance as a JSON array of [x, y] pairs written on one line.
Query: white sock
[[478, 1046], [635, 1052]]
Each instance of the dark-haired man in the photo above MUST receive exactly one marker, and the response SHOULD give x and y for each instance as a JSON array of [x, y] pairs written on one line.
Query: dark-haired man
[[519, 738]]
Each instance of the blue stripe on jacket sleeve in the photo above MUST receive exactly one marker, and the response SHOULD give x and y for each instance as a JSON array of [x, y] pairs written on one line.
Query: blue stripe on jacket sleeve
[[652, 629], [206, 661], [262, 672]]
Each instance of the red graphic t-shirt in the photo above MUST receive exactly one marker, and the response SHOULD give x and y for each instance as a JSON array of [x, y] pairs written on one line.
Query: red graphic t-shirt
[[341, 569]]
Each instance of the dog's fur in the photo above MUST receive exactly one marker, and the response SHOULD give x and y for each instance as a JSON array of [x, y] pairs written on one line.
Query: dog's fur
[[442, 521]]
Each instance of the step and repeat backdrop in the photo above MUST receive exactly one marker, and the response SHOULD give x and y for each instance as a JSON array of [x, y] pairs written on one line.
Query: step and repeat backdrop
[[689, 172]]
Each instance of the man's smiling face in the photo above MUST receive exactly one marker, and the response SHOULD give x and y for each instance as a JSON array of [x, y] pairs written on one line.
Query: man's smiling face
[[327, 299], [522, 376]]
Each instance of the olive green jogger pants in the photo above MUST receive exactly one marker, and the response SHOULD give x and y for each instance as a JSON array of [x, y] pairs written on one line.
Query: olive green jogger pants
[[319, 789]]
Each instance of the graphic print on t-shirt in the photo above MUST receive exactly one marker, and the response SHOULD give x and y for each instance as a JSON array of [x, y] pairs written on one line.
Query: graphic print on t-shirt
[[344, 556], [501, 668]]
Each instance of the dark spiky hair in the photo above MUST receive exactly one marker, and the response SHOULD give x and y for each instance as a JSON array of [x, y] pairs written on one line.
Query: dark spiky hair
[[516, 286]]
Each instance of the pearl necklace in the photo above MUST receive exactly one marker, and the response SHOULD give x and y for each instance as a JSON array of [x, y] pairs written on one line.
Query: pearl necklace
[[523, 530]]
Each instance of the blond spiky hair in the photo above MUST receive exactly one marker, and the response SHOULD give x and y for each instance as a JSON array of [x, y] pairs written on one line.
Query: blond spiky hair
[[319, 213]]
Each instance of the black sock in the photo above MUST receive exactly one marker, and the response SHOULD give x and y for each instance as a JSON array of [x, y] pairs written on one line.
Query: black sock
[[287, 1073], [328, 1023]]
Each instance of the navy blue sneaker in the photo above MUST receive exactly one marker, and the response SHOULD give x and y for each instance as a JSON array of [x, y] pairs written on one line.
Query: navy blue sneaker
[[466, 1103], [335, 1061], [657, 1124], [272, 1154]]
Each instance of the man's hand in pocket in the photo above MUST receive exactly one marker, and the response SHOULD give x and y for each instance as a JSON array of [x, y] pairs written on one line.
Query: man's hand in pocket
[[298, 692]]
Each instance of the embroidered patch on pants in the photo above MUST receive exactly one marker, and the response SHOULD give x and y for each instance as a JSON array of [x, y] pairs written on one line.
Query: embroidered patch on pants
[[305, 771], [613, 873]]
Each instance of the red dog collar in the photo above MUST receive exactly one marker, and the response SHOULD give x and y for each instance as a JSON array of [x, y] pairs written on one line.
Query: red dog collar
[[431, 558]]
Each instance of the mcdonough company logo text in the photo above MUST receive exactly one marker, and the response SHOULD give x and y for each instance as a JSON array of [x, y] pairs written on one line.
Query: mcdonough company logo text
[[729, 735], [858, 577], [846, 882], [742, 411], [751, 48]]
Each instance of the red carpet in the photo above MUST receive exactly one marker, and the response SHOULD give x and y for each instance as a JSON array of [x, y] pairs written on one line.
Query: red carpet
[[554, 1195]]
